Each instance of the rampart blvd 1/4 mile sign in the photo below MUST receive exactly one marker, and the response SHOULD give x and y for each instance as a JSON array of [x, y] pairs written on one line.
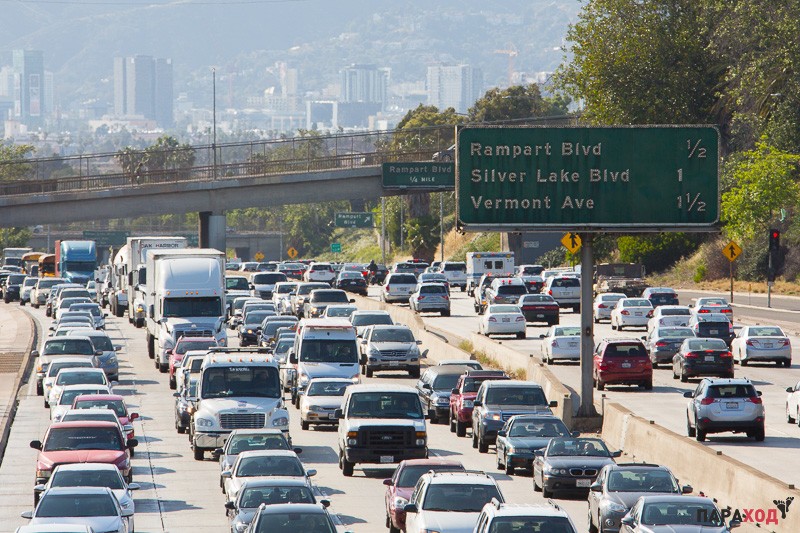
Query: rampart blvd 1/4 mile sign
[[637, 179]]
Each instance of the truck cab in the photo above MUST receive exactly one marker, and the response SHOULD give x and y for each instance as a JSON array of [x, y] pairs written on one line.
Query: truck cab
[[238, 389], [76, 261]]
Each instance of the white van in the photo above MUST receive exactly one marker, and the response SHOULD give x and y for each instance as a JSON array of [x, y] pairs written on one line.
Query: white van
[[324, 348], [501, 264]]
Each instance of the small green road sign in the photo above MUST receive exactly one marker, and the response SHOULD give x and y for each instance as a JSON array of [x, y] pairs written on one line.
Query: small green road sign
[[107, 238], [419, 175], [336, 247], [353, 220], [629, 179]]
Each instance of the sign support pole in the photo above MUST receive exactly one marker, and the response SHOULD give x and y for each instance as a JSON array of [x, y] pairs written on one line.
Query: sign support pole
[[383, 230], [769, 283], [731, 265], [441, 226], [587, 327]]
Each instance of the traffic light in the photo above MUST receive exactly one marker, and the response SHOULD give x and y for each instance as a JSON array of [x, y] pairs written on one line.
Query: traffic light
[[770, 273], [774, 240]]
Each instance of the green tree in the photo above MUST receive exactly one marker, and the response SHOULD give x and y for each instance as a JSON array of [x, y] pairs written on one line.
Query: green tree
[[12, 161], [516, 102], [656, 252], [761, 182], [642, 61]]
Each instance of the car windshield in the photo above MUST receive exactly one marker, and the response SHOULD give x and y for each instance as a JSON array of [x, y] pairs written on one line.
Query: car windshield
[[676, 312], [637, 303], [68, 377], [766, 332], [236, 284], [269, 278], [68, 346], [528, 396], [711, 301], [707, 344], [675, 332], [294, 522], [566, 332], [87, 478], [192, 307], [655, 480], [370, 319], [118, 406], [187, 346], [329, 296], [497, 309], [250, 443], [83, 438], [385, 405], [681, 513], [445, 382], [410, 474], [459, 498], [76, 506], [538, 428], [328, 351], [335, 312], [549, 524], [74, 415], [327, 388], [68, 396], [267, 465], [621, 349], [251, 498], [101, 342], [256, 317], [237, 381], [577, 447], [392, 335]]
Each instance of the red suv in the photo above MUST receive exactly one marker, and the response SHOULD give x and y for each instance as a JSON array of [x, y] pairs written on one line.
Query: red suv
[[622, 362], [464, 393], [185, 344], [83, 442]]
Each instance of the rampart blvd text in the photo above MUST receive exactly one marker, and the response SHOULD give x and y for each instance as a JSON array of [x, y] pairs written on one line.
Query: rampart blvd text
[[534, 150]]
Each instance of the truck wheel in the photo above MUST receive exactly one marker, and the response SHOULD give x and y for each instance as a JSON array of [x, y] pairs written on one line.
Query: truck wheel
[[461, 429], [180, 428], [452, 423], [414, 372], [446, 313], [199, 455], [368, 371], [521, 335], [483, 446], [151, 348], [173, 383], [139, 322], [39, 389], [304, 425], [347, 467]]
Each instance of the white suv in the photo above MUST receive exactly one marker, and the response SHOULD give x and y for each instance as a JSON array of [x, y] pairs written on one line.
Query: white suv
[[456, 273], [320, 272], [449, 501], [497, 516]]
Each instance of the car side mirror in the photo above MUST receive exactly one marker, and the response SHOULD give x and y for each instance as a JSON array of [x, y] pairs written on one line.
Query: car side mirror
[[127, 512], [227, 474], [231, 506], [133, 486], [616, 454], [688, 394], [38, 488], [686, 489], [734, 524], [789, 389], [133, 416], [98, 352], [26, 514], [758, 392], [132, 443], [325, 503], [387, 482], [575, 434], [427, 386], [298, 451], [542, 336], [477, 403], [628, 521], [364, 342], [311, 472], [454, 391], [552, 403], [502, 433], [424, 354], [36, 444], [292, 357], [117, 347], [251, 286], [596, 487], [538, 453], [352, 300], [34, 353], [644, 337], [338, 414], [410, 508], [217, 452], [176, 394], [52, 328]]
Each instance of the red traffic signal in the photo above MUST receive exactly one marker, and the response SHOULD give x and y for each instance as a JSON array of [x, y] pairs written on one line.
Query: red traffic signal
[[774, 240]]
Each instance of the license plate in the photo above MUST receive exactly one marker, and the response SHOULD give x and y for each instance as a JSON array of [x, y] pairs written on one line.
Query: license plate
[[709, 359], [540, 316], [731, 405], [583, 482], [637, 314], [387, 459], [767, 345], [713, 331], [394, 363], [625, 365], [506, 320], [573, 345]]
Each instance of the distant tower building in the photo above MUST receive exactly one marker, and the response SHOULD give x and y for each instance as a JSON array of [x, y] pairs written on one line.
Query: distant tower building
[[457, 87], [29, 87], [143, 87], [364, 84]]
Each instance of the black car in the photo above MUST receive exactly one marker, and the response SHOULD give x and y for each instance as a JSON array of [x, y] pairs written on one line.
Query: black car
[[352, 282], [434, 389], [12, 287], [570, 464], [540, 308], [250, 329], [523, 435], [379, 276], [702, 357]]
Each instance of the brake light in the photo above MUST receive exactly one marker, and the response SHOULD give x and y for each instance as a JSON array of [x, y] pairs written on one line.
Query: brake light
[[661, 343], [703, 311], [786, 342], [554, 344], [420, 298], [726, 355], [550, 292], [660, 321], [520, 319], [754, 399], [709, 401], [691, 355], [726, 311], [750, 342], [497, 299], [492, 319], [602, 306], [649, 314], [387, 288], [624, 312], [446, 297]]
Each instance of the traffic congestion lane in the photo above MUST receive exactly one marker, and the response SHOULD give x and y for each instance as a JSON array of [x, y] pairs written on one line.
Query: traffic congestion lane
[[180, 494], [665, 404]]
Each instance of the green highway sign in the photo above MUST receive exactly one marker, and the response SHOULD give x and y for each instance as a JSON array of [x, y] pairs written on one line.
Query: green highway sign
[[107, 238], [631, 179], [336, 247], [419, 175], [353, 220]]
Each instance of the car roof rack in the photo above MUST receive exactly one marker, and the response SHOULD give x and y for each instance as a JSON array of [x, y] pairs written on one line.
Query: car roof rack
[[435, 473]]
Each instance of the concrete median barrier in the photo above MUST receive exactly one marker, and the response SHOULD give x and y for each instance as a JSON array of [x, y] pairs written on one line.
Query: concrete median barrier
[[17, 338], [733, 484]]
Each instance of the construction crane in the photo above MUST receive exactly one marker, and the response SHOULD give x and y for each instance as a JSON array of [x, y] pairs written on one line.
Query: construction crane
[[511, 52]]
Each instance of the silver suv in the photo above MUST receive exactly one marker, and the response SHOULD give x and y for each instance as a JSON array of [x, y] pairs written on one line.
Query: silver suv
[[390, 348], [497, 517], [719, 405], [398, 287], [565, 290]]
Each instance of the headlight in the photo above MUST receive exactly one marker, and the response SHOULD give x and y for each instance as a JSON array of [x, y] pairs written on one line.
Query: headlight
[[555, 471], [203, 422], [250, 331], [43, 473], [356, 379], [374, 351], [492, 416], [613, 507], [399, 503], [314, 408], [280, 421]]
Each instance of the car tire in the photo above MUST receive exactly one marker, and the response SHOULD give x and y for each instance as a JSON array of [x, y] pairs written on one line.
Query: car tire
[[613, 326], [452, 423], [151, 346], [600, 384], [474, 438], [461, 429], [522, 335], [118, 311], [499, 464], [789, 418], [46, 404], [700, 435], [368, 371], [445, 313], [509, 467], [536, 487], [758, 434], [744, 362], [162, 367], [546, 493], [172, 383], [199, 454], [347, 467], [483, 446], [648, 385], [690, 431], [392, 529], [180, 429], [683, 376], [592, 527], [414, 372], [39, 389], [787, 363], [304, 425]]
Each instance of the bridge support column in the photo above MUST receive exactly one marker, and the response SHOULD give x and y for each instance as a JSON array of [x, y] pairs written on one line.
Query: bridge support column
[[212, 230]]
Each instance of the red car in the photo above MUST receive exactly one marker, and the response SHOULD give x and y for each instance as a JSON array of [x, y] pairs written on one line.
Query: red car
[[622, 362], [115, 402], [184, 345], [83, 442], [462, 396], [401, 485]]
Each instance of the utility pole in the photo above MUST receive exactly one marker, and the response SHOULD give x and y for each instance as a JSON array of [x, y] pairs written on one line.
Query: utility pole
[[441, 226], [214, 118], [402, 228], [383, 230]]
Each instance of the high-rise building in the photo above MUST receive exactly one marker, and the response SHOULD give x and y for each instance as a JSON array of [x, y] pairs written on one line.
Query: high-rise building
[[29, 86], [454, 86], [143, 87], [364, 84]]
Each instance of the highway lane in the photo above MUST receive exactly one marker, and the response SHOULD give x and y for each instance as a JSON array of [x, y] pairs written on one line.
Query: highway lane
[[665, 404], [179, 494]]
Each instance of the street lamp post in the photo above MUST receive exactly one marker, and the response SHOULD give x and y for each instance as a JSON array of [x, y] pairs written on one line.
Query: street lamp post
[[214, 119]]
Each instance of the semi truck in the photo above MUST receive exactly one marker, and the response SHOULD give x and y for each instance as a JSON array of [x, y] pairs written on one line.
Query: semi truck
[[185, 296], [118, 282], [76, 261], [13, 256], [135, 269]]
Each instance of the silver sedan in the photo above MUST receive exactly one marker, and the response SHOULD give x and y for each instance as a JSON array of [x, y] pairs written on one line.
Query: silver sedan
[[561, 343], [762, 343]]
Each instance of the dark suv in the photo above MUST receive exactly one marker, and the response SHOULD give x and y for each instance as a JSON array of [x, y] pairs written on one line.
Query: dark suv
[[464, 393], [622, 362], [434, 389], [497, 401]]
